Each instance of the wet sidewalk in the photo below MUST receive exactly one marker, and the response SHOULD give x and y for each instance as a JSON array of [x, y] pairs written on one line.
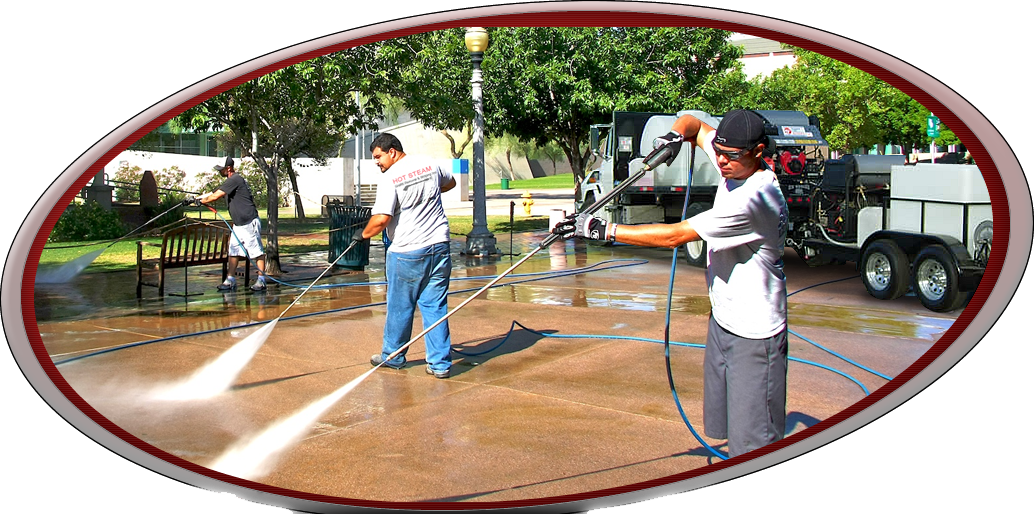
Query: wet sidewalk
[[525, 414]]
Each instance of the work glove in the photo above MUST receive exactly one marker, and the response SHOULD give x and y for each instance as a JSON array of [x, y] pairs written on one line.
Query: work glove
[[672, 140], [585, 226], [191, 200], [357, 237]]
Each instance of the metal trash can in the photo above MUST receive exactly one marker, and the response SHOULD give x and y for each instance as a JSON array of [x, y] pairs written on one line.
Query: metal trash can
[[345, 220], [329, 199]]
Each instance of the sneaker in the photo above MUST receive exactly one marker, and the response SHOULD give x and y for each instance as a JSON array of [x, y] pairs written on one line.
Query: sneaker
[[437, 374], [259, 285], [228, 284], [377, 359]]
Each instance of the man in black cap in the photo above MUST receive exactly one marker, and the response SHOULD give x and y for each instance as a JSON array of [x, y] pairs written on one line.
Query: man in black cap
[[246, 240], [746, 351]]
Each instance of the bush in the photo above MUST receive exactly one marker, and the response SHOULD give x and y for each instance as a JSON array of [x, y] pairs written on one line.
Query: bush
[[129, 177], [168, 203], [87, 221]]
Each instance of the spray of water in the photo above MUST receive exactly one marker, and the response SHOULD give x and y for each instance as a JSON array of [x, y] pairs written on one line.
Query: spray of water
[[256, 456], [67, 271], [218, 375]]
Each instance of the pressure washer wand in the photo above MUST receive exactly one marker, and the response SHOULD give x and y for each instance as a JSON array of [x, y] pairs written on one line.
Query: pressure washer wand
[[146, 223], [299, 297], [653, 160]]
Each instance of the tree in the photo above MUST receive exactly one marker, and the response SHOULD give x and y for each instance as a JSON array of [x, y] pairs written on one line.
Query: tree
[[431, 76], [856, 109], [292, 110], [901, 120], [549, 84], [512, 147]]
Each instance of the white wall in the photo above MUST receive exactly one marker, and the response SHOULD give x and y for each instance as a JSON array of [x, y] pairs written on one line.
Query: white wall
[[313, 181]]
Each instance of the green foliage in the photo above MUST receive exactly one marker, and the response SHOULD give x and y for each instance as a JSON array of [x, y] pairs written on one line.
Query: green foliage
[[301, 109], [856, 109], [166, 178], [546, 85], [86, 221], [209, 181], [128, 175], [167, 203]]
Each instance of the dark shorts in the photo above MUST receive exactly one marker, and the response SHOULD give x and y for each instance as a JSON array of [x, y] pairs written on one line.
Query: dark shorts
[[744, 389]]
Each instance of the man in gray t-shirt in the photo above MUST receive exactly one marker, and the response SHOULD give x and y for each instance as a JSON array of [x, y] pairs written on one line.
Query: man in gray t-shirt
[[246, 241], [745, 231], [417, 264]]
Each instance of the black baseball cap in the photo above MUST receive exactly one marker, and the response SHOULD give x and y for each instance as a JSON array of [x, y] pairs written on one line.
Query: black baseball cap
[[227, 164], [740, 128]]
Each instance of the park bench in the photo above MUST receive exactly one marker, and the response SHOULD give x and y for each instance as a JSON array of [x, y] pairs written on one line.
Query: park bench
[[182, 247]]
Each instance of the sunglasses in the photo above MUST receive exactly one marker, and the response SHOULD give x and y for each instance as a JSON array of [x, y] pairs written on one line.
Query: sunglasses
[[732, 155]]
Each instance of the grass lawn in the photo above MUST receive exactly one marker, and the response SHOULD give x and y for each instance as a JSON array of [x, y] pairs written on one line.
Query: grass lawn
[[294, 236], [561, 181]]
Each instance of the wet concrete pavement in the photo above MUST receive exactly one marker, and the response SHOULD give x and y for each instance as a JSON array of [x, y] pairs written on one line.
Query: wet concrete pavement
[[537, 417]]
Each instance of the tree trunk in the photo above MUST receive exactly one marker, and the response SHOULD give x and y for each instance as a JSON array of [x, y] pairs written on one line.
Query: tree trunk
[[457, 153], [272, 215], [299, 209], [578, 162]]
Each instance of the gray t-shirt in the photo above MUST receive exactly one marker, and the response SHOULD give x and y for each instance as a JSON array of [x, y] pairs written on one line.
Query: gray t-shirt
[[238, 199], [411, 193], [746, 235]]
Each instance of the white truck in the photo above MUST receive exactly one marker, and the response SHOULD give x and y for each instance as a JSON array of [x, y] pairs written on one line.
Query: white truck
[[925, 227]]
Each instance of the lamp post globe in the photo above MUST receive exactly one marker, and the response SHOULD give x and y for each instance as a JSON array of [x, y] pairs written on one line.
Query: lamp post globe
[[480, 241], [476, 39]]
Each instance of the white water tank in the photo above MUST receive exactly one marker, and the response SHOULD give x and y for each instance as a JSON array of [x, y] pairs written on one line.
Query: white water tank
[[943, 199]]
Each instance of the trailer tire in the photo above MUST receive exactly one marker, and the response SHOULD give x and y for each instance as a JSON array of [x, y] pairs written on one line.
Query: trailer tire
[[696, 251], [884, 270], [935, 279]]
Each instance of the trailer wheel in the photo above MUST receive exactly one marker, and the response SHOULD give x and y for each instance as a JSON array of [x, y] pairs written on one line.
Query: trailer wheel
[[696, 251], [884, 270], [936, 280]]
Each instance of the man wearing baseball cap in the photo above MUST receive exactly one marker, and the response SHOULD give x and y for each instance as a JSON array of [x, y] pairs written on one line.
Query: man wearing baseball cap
[[746, 351], [246, 240]]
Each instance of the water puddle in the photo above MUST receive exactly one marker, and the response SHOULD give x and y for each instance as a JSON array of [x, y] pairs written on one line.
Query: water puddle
[[869, 321]]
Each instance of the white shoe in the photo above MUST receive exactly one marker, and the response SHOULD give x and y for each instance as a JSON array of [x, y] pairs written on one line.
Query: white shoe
[[259, 285], [227, 284]]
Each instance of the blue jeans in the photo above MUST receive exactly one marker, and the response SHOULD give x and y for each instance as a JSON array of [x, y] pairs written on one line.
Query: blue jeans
[[418, 278]]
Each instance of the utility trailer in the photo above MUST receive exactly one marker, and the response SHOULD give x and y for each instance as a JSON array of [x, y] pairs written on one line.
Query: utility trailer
[[926, 227]]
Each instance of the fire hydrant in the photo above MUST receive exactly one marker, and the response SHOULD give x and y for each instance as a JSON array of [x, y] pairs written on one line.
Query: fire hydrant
[[527, 202]]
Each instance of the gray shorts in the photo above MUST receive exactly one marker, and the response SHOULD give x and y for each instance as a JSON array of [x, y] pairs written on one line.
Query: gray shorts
[[744, 389]]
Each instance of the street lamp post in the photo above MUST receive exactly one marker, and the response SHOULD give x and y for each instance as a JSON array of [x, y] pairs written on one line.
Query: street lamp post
[[480, 241]]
